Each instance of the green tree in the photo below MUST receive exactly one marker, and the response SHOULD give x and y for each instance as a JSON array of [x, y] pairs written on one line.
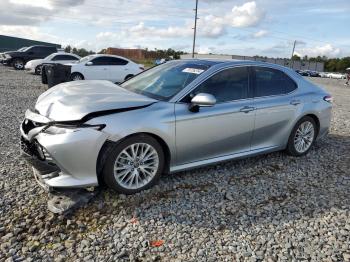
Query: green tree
[[296, 58], [68, 49]]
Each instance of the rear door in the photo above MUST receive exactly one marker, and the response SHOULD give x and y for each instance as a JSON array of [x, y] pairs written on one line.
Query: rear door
[[118, 69], [276, 107], [221, 130]]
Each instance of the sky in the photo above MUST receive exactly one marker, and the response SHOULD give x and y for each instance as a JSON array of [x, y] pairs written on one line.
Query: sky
[[236, 27]]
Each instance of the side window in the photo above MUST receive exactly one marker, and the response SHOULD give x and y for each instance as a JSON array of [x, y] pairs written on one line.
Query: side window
[[70, 57], [270, 82], [103, 60], [64, 57], [117, 61], [34, 49], [227, 85]]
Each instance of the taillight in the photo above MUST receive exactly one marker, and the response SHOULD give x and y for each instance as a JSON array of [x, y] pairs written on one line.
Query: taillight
[[328, 99]]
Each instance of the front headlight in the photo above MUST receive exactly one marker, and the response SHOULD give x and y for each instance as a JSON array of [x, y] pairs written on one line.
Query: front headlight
[[64, 129], [7, 56]]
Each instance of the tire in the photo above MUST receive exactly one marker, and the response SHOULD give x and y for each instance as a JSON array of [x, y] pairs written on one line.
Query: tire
[[128, 77], [76, 77], [132, 177], [307, 138], [38, 69], [18, 64]]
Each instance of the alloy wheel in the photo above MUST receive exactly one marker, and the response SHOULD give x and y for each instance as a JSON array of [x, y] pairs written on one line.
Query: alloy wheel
[[77, 77], [304, 137], [18, 64], [136, 165]]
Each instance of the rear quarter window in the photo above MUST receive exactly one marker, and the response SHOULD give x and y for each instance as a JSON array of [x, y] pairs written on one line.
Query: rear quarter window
[[269, 82]]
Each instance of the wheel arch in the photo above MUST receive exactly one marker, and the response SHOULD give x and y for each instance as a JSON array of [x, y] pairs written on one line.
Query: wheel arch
[[314, 117], [109, 145], [317, 121], [128, 76]]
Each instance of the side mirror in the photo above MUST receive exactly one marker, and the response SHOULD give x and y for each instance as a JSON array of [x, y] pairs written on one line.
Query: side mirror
[[89, 63], [202, 100]]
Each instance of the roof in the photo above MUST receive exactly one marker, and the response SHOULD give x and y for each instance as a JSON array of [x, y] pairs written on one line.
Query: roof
[[213, 62]]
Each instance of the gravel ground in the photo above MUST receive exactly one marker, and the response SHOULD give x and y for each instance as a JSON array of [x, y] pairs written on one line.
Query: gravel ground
[[272, 207]]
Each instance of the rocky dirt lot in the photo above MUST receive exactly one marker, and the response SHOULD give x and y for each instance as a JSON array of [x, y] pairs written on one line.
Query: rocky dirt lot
[[272, 207]]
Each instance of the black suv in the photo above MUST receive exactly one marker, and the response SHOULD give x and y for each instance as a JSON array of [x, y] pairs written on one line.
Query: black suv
[[18, 59]]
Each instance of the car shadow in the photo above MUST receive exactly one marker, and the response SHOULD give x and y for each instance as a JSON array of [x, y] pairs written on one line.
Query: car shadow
[[257, 190]]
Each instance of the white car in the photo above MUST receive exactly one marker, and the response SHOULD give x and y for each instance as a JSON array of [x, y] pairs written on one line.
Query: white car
[[337, 75], [116, 69], [34, 66]]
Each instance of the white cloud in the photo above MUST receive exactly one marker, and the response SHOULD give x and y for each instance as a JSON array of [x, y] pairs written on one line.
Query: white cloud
[[321, 50], [31, 32], [210, 26], [246, 15], [260, 33]]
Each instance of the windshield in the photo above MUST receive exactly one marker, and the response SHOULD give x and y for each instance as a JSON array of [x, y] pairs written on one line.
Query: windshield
[[85, 59], [164, 81], [26, 48], [22, 49], [50, 56]]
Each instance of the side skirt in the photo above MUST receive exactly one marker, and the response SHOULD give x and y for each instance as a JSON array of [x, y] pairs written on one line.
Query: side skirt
[[219, 159]]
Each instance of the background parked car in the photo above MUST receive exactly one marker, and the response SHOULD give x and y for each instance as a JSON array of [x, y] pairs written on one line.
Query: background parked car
[[35, 66], [3, 57], [337, 75], [105, 67], [18, 59], [324, 74]]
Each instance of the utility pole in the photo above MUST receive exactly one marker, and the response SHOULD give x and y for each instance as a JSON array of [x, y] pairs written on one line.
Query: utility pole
[[291, 59], [195, 29]]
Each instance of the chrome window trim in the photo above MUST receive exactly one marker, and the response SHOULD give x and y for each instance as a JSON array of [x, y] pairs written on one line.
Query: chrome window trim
[[178, 100]]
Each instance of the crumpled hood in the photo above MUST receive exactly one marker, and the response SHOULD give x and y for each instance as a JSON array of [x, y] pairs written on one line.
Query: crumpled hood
[[72, 101]]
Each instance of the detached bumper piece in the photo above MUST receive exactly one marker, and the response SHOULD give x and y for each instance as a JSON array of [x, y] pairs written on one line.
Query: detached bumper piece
[[64, 201], [42, 163]]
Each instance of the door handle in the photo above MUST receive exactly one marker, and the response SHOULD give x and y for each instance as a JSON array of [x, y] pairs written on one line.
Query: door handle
[[295, 102], [247, 109]]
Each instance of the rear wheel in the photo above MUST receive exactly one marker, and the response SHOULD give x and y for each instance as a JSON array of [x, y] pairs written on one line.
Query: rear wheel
[[18, 64], [134, 165], [302, 137], [76, 77]]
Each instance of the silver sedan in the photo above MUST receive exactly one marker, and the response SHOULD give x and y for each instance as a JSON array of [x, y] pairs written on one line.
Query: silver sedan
[[176, 116]]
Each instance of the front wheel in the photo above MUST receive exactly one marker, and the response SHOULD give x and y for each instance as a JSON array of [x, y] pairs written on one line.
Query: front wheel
[[76, 77], [134, 165], [302, 137]]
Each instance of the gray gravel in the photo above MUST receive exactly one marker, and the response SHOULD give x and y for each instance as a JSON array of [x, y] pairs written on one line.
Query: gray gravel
[[272, 207]]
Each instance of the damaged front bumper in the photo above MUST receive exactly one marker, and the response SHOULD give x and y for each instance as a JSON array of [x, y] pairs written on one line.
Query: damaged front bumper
[[65, 160]]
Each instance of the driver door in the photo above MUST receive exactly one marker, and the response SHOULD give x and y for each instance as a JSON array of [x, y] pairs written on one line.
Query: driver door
[[223, 129]]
